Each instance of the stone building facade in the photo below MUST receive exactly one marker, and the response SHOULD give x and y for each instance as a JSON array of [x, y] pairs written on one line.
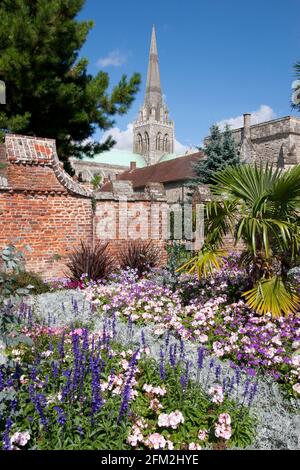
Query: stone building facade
[[86, 171], [153, 131], [276, 141]]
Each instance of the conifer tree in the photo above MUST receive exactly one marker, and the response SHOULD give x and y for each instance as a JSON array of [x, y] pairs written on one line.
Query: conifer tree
[[220, 150], [296, 93], [49, 92]]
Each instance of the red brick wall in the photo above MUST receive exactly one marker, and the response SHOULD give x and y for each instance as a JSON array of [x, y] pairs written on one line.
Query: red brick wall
[[42, 207], [144, 222], [51, 225], [30, 177]]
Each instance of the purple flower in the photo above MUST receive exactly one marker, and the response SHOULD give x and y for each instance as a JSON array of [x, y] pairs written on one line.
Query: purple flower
[[127, 389], [61, 346], [181, 350], [61, 416], [5, 436], [113, 324], [184, 377], [1, 381], [143, 340], [252, 393], [218, 371], [246, 388], [54, 369], [200, 359], [162, 371], [172, 355], [67, 387], [238, 376], [96, 393]]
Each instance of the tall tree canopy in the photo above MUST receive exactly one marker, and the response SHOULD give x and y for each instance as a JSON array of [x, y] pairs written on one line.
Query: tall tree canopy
[[220, 151], [49, 92]]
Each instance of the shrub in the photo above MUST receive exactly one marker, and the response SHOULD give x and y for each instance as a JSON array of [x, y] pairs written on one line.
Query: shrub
[[11, 294], [24, 279], [94, 262], [140, 256], [11, 264]]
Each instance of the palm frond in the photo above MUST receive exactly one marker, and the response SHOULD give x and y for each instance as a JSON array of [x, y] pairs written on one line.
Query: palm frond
[[272, 295], [220, 220], [247, 182], [205, 263], [285, 191]]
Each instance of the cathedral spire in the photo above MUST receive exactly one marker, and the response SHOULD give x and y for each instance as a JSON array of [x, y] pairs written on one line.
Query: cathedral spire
[[153, 89], [153, 132]]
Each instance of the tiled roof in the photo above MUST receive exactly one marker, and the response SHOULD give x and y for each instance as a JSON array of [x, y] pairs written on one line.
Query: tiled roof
[[179, 169]]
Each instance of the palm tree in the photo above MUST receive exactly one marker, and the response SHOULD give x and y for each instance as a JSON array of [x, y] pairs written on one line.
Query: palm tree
[[258, 206]]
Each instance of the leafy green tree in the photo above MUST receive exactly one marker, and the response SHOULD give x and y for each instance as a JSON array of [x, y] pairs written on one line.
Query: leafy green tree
[[220, 150], [49, 92], [260, 207]]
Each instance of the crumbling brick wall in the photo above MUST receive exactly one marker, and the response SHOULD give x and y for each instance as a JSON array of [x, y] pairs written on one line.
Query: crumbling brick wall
[[43, 207]]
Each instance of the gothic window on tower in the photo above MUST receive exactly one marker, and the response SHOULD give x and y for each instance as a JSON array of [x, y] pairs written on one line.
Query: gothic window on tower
[[139, 143], [158, 141], [147, 141], [166, 143]]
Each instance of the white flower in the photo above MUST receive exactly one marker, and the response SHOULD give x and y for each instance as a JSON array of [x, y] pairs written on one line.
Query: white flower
[[20, 438], [296, 387], [193, 446]]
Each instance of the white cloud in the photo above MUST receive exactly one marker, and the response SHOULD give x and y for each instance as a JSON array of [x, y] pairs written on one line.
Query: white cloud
[[262, 114], [180, 148], [124, 139], [114, 58]]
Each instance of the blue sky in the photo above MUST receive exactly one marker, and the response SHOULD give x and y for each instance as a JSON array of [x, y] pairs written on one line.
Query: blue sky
[[218, 59]]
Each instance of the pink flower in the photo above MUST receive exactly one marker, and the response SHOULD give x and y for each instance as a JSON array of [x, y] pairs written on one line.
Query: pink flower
[[170, 420], [202, 434], [20, 438], [154, 390], [78, 331], [170, 445], [136, 436], [296, 387], [217, 394], [223, 431], [218, 349], [203, 338], [193, 446], [156, 441], [222, 428], [224, 418], [155, 405]]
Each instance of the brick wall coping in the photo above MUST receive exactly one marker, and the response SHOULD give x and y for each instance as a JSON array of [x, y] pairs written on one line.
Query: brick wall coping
[[27, 150]]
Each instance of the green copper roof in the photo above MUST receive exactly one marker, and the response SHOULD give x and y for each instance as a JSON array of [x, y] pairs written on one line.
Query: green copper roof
[[118, 157], [124, 157]]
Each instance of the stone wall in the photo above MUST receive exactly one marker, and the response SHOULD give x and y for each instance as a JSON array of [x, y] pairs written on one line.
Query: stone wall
[[43, 207], [276, 141], [87, 170]]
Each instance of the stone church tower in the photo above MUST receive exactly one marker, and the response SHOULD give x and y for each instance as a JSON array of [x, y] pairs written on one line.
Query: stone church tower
[[153, 132]]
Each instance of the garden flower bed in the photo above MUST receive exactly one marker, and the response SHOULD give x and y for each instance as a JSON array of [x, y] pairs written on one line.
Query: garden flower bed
[[196, 340], [71, 389], [258, 344]]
